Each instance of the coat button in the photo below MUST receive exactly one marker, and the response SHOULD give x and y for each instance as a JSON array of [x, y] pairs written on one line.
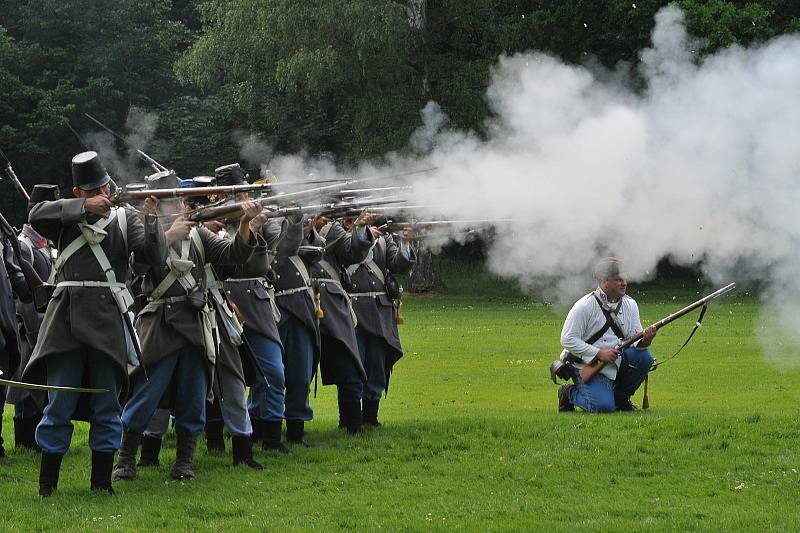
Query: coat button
[[248, 291], [297, 273], [102, 296]]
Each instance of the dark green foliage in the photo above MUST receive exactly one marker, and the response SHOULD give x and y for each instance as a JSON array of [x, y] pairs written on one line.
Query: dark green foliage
[[346, 77]]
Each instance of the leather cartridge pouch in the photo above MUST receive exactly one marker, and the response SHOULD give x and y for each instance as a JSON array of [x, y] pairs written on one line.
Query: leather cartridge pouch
[[196, 298], [392, 286], [41, 296]]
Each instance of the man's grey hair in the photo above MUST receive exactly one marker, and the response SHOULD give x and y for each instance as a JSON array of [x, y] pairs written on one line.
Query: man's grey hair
[[608, 267]]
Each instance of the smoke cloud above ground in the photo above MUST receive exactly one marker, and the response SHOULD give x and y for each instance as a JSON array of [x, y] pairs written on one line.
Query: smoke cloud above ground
[[703, 164], [121, 160]]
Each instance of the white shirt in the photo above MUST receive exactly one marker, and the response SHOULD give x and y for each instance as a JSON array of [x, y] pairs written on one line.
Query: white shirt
[[586, 318]]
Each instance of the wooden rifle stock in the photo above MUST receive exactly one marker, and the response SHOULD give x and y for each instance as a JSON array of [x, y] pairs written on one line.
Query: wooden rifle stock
[[595, 366]]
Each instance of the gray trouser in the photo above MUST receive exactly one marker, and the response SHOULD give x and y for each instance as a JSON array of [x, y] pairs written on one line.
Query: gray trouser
[[230, 390], [159, 424]]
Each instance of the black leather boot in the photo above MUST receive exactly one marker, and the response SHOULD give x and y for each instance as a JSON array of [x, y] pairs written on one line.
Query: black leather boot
[[48, 473], [25, 433], [243, 452], [564, 403], [215, 441], [151, 448], [295, 432], [354, 420], [369, 412], [102, 463], [183, 469], [125, 468], [258, 430], [342, 414], [272, 437]]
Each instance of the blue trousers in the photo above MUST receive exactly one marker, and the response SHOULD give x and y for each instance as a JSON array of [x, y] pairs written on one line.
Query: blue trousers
[[266, 400], [187, 367], [54, 432], [298, 343], [159, 423], [372, 350], [600, 395]]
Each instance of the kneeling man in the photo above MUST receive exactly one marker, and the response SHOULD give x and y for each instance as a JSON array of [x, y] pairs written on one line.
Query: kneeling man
[[593, 328]]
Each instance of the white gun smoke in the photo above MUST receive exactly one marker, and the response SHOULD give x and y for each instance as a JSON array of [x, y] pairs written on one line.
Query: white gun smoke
[[122, 162], [701, 165]]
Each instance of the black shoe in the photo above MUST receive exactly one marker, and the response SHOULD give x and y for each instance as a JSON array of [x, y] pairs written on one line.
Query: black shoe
[[183, 469], [25, 433], [560, 369], [151, 448], [125, 469], [102, 464], [215, 441], [272, 437], [295, 433], [243, 452], [353, 418], [625, 405], [369, 412], [48, 473], [564, 403]]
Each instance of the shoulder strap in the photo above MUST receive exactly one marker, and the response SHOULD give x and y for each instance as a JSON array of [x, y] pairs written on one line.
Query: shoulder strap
[[610, 324], [198, 244], [122, 220]]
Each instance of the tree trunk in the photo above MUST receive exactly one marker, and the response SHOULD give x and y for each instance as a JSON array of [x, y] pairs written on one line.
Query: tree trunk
[[426, 275]]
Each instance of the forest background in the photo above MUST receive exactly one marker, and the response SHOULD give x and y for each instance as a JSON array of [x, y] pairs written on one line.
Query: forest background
[[198, 84]]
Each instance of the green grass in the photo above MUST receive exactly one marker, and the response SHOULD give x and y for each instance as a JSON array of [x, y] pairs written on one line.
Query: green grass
[[472, 440]]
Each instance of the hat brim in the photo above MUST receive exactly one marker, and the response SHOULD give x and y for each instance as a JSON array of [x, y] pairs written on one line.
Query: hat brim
[[95, 184]]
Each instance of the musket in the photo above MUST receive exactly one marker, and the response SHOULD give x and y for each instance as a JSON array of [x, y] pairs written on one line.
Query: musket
[[393, 226], [37, 386], [595, 366], [40, 292], [14, 179], [329, 209], [132, 195], [281, 200], [359, 192], [158, 167]]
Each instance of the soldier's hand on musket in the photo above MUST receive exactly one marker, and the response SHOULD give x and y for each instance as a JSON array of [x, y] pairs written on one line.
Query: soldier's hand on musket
[[214, 226], [647, 337], [608, 355], [257, 223], [251, 210], [151, 205], [99, 205], [179, 229]]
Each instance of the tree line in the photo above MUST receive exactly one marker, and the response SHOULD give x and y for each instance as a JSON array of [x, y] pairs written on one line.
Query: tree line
[[343, 78]]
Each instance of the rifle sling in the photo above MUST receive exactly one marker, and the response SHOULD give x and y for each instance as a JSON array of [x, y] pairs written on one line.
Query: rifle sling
[[694, 329]]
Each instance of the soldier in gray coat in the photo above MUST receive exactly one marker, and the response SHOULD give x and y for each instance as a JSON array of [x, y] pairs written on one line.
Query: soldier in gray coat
[[340, 363], [11, 281], [374, 291], [38, 251], [85, 332], [250, 288], [298, 328], [180, 338]]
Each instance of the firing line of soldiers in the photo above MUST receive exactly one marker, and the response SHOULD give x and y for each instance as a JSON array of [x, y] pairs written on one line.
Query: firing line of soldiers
[[160, 311]]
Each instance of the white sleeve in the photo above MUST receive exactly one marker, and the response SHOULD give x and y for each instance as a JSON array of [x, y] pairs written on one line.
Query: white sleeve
[[635, 322], [574, 331]]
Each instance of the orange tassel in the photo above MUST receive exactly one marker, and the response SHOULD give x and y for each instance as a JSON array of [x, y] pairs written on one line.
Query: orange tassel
[[320, 313], [400, 318], [645, 398]]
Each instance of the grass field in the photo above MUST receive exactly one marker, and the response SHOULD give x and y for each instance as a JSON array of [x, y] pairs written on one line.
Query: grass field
[[472, 440]]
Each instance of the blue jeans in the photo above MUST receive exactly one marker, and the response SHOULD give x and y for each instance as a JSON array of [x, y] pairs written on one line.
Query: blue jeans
[[266, 400], [187, 367], [372, 350], [54, 432], [298, 343], [601, 394]]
